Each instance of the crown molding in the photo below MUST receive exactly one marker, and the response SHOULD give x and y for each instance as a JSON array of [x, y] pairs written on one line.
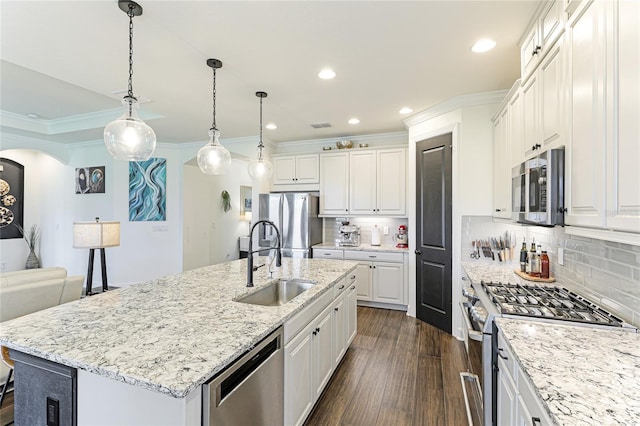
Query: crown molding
[[74, 123], [457, 102]]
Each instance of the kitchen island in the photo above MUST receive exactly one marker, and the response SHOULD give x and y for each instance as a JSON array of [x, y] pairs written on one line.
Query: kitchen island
[[153, 344]]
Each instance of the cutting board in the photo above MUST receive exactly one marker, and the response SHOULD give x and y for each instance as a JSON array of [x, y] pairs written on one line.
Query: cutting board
[[528, 277]]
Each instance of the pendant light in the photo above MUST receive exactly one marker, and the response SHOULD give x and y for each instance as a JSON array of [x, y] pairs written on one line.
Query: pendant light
[[128, 137], [260, 168], [213, 158]]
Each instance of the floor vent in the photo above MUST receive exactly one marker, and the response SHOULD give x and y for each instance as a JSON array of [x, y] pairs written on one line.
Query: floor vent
[[472, 398], [321, 125]]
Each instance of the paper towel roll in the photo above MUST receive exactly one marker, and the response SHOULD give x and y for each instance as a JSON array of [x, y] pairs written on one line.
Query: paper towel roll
[[375, 236]]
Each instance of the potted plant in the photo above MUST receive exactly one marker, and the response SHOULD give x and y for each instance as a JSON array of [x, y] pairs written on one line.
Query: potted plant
[[32, 238]]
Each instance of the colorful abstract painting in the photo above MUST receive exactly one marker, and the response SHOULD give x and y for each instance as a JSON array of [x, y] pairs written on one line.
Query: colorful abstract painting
[[148, 190]]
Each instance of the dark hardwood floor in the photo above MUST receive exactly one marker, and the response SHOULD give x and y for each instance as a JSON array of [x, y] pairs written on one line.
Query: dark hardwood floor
[[397, 371]]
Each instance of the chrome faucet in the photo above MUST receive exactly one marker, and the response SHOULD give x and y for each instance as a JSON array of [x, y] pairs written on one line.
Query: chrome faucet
[[250, 268]]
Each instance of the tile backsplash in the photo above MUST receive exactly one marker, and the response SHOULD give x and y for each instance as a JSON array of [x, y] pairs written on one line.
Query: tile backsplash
[[331, 233], [606, 272]]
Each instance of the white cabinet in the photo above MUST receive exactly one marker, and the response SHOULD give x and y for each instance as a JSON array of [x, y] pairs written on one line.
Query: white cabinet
[[380, 276], [501, 167], [517, 402], [623, 146], [515, 131], [308, 367], [585, 159], [296, 169], [321, 253], [550, 76], [546, 29], [352, 310], [377, 182], [369, 182], [334, 184]]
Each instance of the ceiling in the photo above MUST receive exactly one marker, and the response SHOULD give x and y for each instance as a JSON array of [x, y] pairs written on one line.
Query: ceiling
[[64, 60]]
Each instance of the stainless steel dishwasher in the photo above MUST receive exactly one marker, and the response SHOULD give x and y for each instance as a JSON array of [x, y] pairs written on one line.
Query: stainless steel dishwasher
[[251, 390]]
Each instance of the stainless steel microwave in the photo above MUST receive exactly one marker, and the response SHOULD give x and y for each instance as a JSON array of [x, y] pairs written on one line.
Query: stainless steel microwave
[[537, 189]]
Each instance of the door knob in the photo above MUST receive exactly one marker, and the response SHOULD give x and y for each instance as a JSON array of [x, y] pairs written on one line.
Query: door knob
[[417, 251]]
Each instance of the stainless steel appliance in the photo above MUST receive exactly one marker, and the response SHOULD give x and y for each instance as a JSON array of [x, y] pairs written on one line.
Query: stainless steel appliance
[[296, 215], [251, 390], [538, 189], [349, 235], [485, 301]]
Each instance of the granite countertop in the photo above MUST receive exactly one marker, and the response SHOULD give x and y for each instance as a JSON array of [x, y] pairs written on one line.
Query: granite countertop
[[488, 270], [583, 375], [168, 335], [390, 248]]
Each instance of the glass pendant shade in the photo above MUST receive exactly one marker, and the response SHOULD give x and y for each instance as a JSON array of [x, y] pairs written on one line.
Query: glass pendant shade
[[260, 169], [128, 137], [213, 158]]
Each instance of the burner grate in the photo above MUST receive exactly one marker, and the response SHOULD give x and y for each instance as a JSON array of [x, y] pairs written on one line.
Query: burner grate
[[550, 302]]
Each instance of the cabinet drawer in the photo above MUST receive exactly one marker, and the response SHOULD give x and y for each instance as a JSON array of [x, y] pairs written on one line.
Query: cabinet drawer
[[532, 400], [298, 322], [374, 256], [327, 254]]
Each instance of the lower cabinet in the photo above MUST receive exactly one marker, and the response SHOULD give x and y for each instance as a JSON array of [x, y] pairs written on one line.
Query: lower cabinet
[[517, 401], [311, 356], [380, 276]]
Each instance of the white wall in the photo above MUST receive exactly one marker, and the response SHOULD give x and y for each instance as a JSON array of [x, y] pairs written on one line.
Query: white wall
[[210, 234]]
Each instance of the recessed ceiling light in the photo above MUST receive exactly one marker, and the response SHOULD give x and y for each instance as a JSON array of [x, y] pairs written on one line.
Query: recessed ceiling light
[[406, 110], [33, 115], [353, 121], [327, 74], [483, 45], [271, 126]]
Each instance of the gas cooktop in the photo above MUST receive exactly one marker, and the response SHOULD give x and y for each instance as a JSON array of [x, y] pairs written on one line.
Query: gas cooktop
[[547, 302]]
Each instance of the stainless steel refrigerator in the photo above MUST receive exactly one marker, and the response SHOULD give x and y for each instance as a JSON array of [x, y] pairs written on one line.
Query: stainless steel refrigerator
[[296, 216]]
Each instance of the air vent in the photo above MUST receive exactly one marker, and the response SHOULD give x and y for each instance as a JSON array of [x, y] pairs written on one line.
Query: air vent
[[321, 125]]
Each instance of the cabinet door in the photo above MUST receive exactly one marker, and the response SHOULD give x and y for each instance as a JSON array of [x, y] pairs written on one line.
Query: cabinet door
[[352, 313], [334, 184], [515, 139], [299, 395], [585, 162], [363, 281], [501, 169], [529, 51], [307, 169], [523, 416], [623, 171], [388, 282], [507, 395], [284, 170], [391, 181], [322, 342], [551, 99], [362, 182], [531, 117], [339, 323]]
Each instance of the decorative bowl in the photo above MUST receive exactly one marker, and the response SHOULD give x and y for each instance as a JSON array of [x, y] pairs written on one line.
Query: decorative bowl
[[344, 144]]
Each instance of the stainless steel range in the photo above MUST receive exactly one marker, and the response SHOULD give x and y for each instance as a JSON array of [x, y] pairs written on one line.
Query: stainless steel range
[[487, 300]]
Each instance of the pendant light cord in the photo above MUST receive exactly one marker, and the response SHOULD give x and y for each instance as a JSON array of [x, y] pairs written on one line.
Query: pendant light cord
[[213, 123], [130, 87], [260, 145]]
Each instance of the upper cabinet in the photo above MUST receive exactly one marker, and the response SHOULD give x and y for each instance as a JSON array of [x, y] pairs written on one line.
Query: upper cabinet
[[373, 182], [377, 182], [296, 169], [502, 169], [546, 29]]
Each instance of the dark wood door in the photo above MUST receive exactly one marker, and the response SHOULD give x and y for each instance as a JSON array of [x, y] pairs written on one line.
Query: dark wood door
[[433, 231]]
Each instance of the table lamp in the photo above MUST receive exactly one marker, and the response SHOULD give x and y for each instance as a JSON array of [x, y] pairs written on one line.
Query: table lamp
[[96, 235]]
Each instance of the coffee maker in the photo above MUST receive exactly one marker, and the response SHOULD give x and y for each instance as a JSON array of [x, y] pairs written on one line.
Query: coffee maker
[[349, 235], [401, 238]]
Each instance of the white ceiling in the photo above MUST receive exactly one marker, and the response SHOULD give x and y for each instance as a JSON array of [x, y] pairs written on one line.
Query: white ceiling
[[63, 60]]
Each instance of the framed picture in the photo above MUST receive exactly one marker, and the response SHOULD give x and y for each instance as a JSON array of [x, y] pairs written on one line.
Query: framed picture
[[11, 198], [148, 190], [90, 180], [245, 200]]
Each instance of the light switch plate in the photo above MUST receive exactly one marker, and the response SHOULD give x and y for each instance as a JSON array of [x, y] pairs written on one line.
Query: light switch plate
[[560, 256]]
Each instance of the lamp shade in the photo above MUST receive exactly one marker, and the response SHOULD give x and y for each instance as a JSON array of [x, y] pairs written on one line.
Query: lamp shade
[[96, 234]]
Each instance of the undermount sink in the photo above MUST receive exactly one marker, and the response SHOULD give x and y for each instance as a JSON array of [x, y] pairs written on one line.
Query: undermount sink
[[278, 292]]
